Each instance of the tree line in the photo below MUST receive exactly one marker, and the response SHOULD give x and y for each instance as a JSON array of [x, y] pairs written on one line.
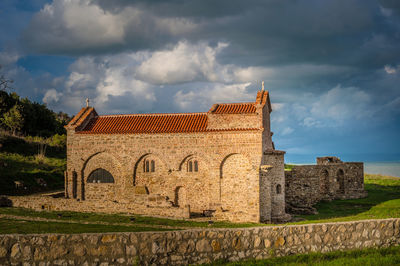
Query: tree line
[[21, 116]]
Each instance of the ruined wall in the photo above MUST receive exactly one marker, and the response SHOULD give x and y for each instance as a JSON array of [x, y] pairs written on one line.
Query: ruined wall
[[196, 246], [308, 184], [153, 205]]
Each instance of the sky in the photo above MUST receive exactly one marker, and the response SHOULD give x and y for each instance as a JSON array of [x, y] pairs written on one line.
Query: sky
[[332, 67]]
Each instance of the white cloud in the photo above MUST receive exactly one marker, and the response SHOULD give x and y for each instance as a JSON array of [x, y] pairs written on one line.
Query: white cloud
[[184, 63], [8, 58], [340, 104], [216, 93], [287, 131], [52, 96], [390, 70]]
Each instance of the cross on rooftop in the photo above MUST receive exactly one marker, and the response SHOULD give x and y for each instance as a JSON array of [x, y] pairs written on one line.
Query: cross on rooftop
[[262, 85], [87, 102]]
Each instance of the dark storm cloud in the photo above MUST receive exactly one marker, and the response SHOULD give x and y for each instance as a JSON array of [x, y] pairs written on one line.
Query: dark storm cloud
[[260, 32]]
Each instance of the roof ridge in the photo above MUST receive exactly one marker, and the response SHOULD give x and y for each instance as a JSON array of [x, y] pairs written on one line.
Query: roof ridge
[[235, 103], [154, 114]]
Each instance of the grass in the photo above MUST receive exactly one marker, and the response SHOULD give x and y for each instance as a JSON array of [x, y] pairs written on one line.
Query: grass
[[288, 167], [136, 220], [16, 226], [383, 201], [370, 256], [19, 161]]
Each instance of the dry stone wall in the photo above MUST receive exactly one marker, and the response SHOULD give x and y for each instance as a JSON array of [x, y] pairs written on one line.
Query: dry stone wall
[[308, 184], [152, 205], [195, 246]]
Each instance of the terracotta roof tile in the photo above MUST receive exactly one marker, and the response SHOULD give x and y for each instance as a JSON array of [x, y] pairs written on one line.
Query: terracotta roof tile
[[78, 115], [151, 123], [81, 116], [234, 108]]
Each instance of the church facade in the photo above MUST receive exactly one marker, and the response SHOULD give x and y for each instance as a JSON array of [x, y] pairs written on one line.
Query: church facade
[[220, 163]]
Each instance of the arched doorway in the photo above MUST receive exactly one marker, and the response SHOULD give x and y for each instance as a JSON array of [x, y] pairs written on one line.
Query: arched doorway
[[180, 197], [340, 180], [74, 184], [324, 182]]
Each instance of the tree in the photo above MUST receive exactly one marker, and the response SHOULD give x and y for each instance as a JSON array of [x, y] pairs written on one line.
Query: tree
[[13, 119], [4, 82]]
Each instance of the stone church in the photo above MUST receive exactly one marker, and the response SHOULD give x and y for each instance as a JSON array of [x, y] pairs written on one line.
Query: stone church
[[221, 163]]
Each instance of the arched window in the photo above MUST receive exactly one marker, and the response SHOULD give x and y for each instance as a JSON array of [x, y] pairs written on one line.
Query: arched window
[[100, 176], [149, 166], [278, 189], [193, 166]]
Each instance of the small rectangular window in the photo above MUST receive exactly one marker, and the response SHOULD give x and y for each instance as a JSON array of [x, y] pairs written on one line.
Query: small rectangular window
[[196, 166], [153, 166], [147, 166]]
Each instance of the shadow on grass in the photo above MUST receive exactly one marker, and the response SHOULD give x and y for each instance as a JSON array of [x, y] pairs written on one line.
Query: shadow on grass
[[378, 194]]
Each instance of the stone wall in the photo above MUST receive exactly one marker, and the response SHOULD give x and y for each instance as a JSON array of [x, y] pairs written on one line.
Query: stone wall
[[308, 184], [152, 205], [272, 184], [171, 179], [196, 246]]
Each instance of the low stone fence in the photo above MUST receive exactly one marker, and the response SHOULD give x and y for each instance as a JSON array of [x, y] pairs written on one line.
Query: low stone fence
[[197, 245], [62, 204]]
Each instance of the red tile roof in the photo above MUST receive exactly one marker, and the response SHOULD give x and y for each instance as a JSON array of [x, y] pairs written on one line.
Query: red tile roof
[[162, 123], [151, 123], [234, 108], [81, 116]]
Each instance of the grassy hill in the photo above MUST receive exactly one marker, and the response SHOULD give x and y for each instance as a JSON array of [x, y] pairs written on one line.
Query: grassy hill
[[22, 159]]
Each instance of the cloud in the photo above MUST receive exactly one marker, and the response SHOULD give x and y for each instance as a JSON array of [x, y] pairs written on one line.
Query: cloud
[[184, 63], [8, 57], [287, 131], [82, 26], [390, 70], [339, 104], [215, 93], [52, 96]]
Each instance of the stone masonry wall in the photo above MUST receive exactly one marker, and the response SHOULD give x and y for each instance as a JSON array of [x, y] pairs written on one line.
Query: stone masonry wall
[[274, 162], [308, 184], [151, 205], [123, 156], [195, 246]]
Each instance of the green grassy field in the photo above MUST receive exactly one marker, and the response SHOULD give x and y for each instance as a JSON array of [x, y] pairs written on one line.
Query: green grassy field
[[19, 161], [383, 201], [371, 257], [16, 226]]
